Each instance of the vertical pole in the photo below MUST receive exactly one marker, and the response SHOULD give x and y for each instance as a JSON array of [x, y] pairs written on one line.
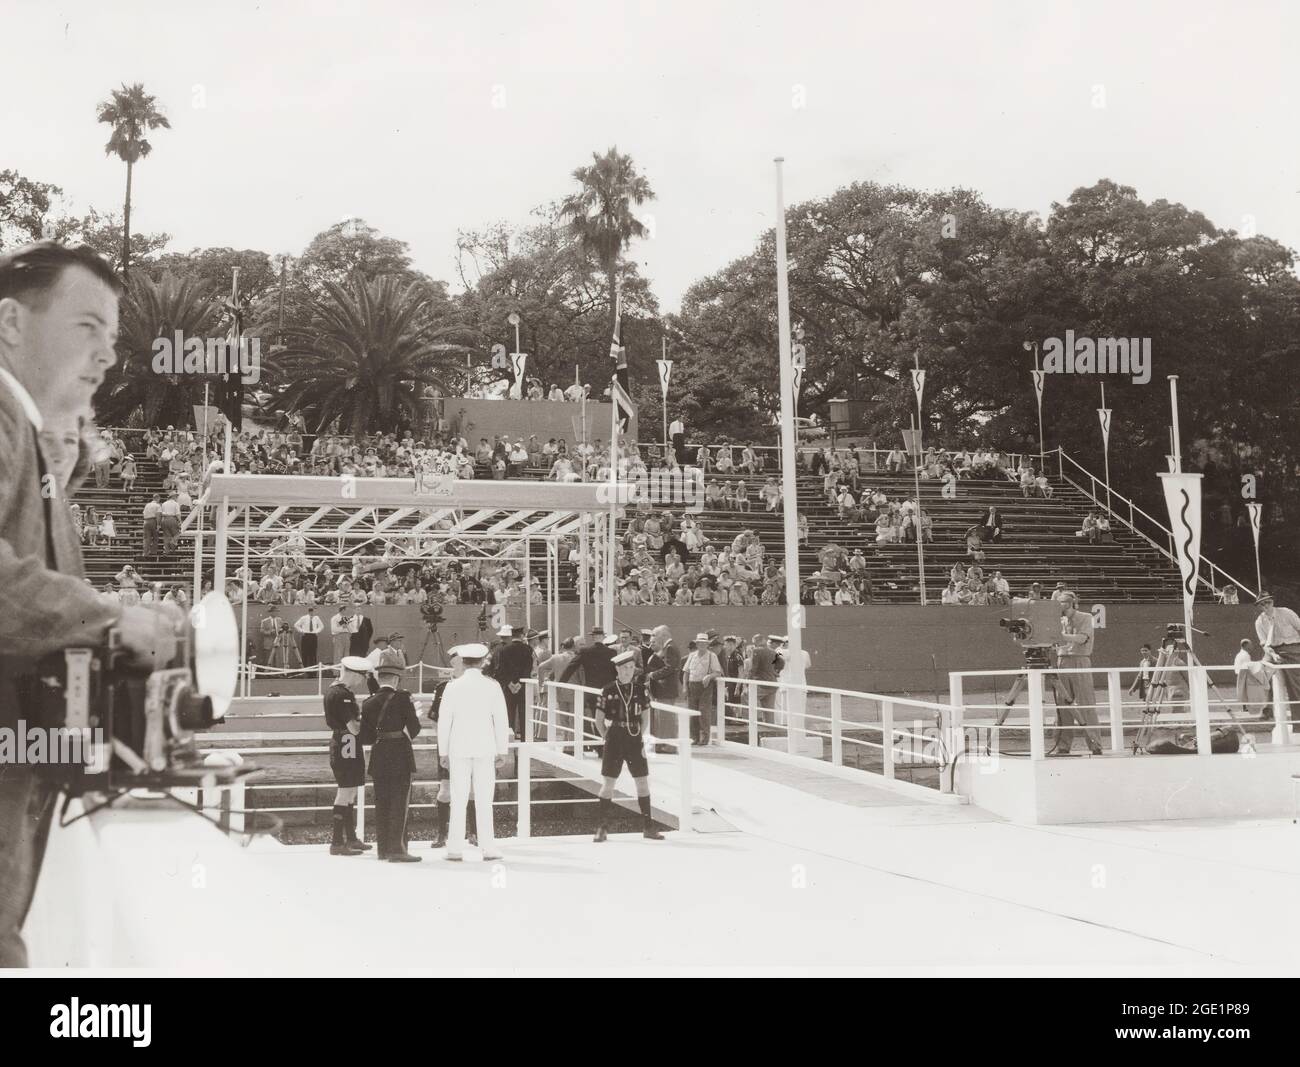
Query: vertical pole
[[1037, 750], [579, 723], [528, 582], [789, 482], [583, 585], [243, 602], [1105, 453], [523, 781], [721, 704], [753, 714], [552, 707], [361, 811], [920, 537], [1200, 697], [1116, 711], [1281, 711], [664, 393], [613, 512], [684, 820], [837, 736], [887, 736]]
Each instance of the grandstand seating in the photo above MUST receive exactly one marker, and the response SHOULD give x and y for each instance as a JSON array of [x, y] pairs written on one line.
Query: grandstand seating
[[1038, 544]]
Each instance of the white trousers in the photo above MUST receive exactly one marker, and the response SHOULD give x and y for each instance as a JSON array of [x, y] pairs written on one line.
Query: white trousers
[[480, 774]]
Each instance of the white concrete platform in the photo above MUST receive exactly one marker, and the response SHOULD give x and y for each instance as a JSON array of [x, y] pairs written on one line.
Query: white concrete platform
[[856, 879]]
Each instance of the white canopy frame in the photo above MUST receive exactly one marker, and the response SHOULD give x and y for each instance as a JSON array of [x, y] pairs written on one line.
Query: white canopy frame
[[517, 513]]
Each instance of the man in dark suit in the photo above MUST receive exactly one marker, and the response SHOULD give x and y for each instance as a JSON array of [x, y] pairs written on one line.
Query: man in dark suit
[[388, 723], [511, 662], [58, 326], [593, 665], [766, 667], [359, 643]]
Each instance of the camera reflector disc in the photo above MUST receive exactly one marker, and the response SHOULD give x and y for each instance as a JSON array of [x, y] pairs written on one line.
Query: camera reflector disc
[[216, 651]]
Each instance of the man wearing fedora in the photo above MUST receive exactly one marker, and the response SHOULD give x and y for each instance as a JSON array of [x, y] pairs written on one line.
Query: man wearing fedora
[[1278, 630], [388, 723], [702, 670]]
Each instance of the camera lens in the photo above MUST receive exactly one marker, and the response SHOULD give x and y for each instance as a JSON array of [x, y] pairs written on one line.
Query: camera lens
[[194, 711]]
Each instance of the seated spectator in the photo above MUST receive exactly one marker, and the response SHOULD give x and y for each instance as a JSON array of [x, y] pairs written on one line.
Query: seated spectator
[[803, 529], [1089, 530], [846, 594], [974, 540], [1228, 595], [728, 501], [992, 526], [713, 494], [772, 494], [1062, 592], [742, 497], [823, 597], [1042, 487], [886, 533], [949, 595]]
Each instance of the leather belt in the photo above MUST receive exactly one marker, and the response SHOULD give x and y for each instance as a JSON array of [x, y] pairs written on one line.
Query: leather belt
[[390, 735]]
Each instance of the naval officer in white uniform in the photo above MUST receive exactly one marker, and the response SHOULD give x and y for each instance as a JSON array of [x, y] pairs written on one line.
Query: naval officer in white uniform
[[473, 741]]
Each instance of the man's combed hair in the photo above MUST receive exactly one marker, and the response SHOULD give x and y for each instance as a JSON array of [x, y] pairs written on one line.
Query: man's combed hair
[[30, 272]]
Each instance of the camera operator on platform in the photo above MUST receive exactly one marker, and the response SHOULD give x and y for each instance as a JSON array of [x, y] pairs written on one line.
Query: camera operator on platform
[[58, 326], [1076, 698]]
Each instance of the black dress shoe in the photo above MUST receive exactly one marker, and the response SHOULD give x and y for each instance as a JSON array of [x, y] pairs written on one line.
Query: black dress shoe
[[404, 857], [342, 850], [601, 835]]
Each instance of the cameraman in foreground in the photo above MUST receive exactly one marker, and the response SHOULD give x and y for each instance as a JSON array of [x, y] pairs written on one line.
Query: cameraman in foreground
[[58, 325]]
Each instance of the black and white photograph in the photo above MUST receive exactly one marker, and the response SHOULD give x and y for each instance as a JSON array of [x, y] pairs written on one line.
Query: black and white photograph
[[497, 490]]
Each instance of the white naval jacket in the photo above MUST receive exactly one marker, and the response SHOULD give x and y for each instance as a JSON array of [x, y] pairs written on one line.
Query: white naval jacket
[[472, 718]]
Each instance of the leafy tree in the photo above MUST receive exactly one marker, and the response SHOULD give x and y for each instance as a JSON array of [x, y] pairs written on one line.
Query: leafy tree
[[132, 113], [25, 208]]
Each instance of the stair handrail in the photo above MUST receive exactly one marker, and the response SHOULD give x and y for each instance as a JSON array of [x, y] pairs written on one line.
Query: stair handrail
[[1167, 551]]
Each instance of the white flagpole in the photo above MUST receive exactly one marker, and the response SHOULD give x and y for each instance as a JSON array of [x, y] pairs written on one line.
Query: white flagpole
[[1104, 413], [789, 483], [1256, 512], [918, 380], [665, 396], [613, 510]]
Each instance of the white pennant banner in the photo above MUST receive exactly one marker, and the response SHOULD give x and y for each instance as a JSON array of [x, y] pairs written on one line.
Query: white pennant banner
[[798, 382], [1104, 415], [1038, 384], [1183, 499], [665, 374], [518, 361], [918, 385], [1256, 512]]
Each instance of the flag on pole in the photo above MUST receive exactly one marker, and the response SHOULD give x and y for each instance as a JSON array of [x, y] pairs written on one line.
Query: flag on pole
[[1038, 384], [1183, 499], [665, 373], [615, 349], [624, 409], [518, 363], [918, 385], [1104, 415], [1256, 512], [798, 383]]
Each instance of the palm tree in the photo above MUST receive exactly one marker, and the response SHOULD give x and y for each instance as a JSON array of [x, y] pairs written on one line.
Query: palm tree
[[600, 213], [132, 113], [133, 393], [363, 354]]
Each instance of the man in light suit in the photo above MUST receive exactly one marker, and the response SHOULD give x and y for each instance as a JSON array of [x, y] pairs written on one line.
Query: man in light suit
[[472, 742], [58, 325]]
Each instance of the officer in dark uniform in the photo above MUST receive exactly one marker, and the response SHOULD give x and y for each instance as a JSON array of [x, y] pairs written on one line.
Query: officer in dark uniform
[[624, 709], [346, 756], [388, 722], [510, 663]]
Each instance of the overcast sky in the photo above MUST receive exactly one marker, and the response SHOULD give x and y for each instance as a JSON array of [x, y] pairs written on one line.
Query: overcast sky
[[423, 118]]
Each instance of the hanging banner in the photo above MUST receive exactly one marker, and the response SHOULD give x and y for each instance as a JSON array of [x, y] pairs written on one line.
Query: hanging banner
[[665, 373], [798, 383], [1039, 378], [1256, 512], [1104, 415], [1183, 499], [918, 386], [518, 362]]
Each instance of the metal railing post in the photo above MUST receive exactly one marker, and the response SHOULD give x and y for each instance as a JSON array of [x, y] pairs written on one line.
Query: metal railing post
[[721, 704], [837, 739], [1200, 696], [887, 735], [579, 721], [552, 710], [530, 707], [1281, 711], [952, 742], [753, 713], [361, 811], [1116, 711], [524, 785], [684, 821], [1036, 747]]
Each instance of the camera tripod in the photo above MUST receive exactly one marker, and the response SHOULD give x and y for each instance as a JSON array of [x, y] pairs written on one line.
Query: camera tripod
[[431, 634], [1175, 657], [1036, 659]]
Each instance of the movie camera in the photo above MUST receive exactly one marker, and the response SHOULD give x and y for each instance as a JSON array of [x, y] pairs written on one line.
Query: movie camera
[[1035, 625], [134, 727]]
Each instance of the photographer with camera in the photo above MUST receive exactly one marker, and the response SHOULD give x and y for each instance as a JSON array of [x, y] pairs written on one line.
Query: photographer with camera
[[58, 325], [1075, 696]]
